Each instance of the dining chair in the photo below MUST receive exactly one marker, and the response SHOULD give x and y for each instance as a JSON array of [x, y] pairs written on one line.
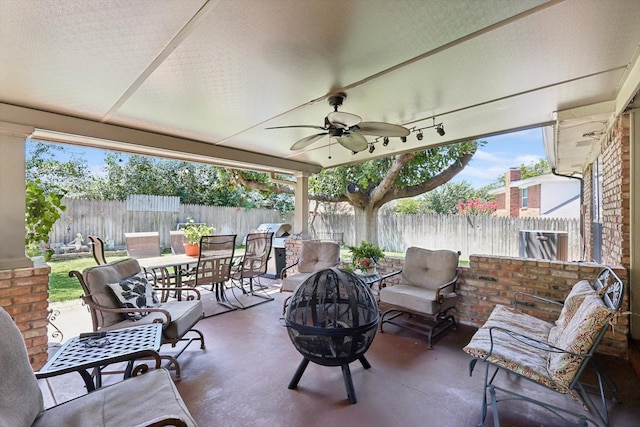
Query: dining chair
[[143, 244], [97, 248], [253, 264], [214, 265]]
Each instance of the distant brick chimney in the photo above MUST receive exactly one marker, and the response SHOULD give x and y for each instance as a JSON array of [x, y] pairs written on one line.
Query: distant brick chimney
[[512, 195]]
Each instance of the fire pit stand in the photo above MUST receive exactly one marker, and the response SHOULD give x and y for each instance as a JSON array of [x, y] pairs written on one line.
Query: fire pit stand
[[332, 319]]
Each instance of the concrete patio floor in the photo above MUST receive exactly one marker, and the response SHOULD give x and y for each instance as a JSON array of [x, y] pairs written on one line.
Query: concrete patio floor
[[241, 379]]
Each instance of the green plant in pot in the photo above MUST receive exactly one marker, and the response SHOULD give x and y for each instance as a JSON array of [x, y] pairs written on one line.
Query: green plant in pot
[[193, 232], [365, 257], [43, 209]]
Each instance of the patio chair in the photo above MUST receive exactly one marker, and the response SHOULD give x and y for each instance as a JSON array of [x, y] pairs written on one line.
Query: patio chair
[[426, 295], [177, 240], [253, 264], [314, 256], [551, 354], [150, 399], [143, 245], [214, 265], [97, 248], [118, 296]]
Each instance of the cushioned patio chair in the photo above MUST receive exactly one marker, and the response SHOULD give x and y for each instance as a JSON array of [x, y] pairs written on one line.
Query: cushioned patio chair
[[97, 248], [550, 354], [118, 296], [147, 400], [253, 264], [426, 295], [314, 256]]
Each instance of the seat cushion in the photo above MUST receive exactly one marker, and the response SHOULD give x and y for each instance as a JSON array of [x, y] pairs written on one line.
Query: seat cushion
[[571, 304], [20, 397], [416, 298], [578, 336], [519, 322], [130, 402], [184, 314], [290, 283]]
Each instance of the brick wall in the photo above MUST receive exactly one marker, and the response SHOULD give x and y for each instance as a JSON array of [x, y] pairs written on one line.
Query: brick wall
[[24, 295], [491, 280]]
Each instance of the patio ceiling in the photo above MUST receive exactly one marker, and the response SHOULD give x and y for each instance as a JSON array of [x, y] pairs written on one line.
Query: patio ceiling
[[200, 80]]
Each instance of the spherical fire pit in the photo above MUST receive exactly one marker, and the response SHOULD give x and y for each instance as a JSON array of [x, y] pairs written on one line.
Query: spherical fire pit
[[332, 319]]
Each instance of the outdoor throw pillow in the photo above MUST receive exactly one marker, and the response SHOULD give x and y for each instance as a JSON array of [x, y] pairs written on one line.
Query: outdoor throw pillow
[[135, 292]]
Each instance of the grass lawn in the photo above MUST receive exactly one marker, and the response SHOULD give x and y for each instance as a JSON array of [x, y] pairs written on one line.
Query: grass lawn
[[65, 288]]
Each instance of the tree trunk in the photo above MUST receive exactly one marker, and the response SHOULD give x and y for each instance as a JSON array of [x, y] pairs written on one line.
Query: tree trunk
[[366, 222]]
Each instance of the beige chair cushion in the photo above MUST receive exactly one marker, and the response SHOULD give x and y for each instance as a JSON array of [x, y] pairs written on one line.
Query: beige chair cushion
[[127, 403], [315, 256], [290, 283], [416, 298], [429, 268], [20, 397]]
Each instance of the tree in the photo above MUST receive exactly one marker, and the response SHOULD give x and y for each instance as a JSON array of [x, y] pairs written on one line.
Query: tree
[[541, 167], [369, 185]]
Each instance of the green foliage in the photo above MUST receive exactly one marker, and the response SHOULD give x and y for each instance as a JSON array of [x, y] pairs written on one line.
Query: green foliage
[[365, 255], [441, 200], [193, 232], [43, 209], [367, 175]]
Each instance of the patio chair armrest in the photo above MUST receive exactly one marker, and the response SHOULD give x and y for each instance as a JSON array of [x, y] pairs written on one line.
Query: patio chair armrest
[[167, 420], [521, 297], [283, 273], [89, 301], [440, 292], [382, 281]]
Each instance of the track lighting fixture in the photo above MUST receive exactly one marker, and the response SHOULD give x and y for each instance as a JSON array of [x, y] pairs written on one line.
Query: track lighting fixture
[[385, 141], [439, 128], [372, 148], [403, 138]]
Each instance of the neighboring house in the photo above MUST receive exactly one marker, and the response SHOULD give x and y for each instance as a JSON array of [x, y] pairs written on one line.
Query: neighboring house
[[549, 196]]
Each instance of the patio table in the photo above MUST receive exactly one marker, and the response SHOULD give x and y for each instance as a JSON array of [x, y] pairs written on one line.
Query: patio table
[[119, 345]]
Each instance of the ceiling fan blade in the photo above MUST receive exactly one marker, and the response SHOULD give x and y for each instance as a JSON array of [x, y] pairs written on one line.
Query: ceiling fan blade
[[298, 126], [382, 129], [354, 141], [307, 141], [344, 120]]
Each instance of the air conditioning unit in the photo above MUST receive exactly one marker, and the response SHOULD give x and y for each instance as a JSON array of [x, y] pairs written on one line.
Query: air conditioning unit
[[544, 244]]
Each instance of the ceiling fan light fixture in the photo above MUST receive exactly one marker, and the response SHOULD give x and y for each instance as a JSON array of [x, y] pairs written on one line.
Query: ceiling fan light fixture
[[385, 141]]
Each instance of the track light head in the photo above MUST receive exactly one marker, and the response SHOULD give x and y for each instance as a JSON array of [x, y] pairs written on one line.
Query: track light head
[[403, 138], [419, 136], [372, 148], [385, 141], [440, 130]]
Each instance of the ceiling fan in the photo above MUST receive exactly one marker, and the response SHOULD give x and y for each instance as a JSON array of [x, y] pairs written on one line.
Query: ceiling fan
[[347, 128]]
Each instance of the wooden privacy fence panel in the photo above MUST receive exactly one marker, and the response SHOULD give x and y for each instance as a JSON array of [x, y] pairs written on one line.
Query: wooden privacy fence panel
[[468, 234], [109, 220]]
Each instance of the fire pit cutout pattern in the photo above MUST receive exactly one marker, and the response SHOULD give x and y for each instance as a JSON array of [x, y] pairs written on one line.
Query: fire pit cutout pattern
[[332, 319]]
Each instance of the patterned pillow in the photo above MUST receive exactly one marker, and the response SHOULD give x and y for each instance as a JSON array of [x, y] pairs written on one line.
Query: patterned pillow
[[135, 292], [571, 304]]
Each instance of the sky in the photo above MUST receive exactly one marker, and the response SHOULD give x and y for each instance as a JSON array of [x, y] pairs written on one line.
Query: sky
[[490, 161]]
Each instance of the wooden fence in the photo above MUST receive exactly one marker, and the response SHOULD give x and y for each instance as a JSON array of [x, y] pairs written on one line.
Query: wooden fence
[[468, 234], [110, 220]]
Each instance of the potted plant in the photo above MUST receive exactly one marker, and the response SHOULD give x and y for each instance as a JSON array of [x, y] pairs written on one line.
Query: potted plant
[[193, 232], [365, 258], [43, 209]]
